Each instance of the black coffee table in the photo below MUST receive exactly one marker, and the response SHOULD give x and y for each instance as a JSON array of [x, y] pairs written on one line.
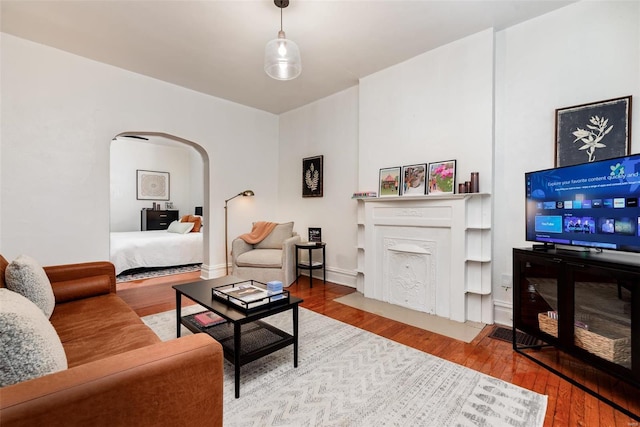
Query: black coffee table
[[243, 336]]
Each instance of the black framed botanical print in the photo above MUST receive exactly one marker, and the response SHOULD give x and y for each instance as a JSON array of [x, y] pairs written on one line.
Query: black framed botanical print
[[595, 131], [312, 176]]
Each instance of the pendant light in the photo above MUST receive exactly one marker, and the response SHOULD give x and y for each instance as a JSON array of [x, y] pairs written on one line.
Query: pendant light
[[282, 56]]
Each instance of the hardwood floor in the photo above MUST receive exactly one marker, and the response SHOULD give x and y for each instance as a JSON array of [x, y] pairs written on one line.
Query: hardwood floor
[[567, 405]]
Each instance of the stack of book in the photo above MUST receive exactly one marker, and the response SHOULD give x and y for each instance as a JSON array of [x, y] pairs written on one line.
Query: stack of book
[[208, 318], [364, 194]]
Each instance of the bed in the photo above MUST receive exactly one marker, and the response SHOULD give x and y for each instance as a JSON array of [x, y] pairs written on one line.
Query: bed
[[138, 249]]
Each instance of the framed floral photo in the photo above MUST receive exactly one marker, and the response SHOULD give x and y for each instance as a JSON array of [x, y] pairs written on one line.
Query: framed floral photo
[[414, 178], [312, 176], [596, 131], [389, 179], [442, 177], [152, 185]]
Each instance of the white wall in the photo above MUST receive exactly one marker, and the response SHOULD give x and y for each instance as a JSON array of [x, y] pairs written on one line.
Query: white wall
[[127, 156], [436, 106], [585, 52], [328, 127], [196, 183], [59, 114]]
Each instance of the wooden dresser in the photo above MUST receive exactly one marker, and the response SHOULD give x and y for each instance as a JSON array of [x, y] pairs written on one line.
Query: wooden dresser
[[157, 220]]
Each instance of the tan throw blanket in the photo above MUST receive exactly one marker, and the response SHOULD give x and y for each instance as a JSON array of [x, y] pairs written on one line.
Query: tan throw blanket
[[261, 229]]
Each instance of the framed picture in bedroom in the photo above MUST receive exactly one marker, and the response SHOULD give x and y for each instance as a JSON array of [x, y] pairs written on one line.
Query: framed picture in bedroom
[[414, 179], [152, 185], [442, 177], [596, 131], [389, 179]]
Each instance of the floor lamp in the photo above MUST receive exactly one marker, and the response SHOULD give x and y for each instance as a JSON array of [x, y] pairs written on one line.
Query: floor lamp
[[226, 245]]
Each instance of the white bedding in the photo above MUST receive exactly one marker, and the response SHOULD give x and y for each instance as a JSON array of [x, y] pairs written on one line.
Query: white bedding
[[136, 249]]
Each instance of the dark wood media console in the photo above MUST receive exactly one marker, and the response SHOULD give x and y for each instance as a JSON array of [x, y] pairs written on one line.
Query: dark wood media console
[[587, 305]]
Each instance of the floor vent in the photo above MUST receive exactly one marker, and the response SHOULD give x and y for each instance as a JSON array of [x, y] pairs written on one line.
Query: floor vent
[[506, 334]]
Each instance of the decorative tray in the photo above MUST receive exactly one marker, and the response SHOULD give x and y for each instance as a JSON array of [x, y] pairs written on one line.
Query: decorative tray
[[249, 295]]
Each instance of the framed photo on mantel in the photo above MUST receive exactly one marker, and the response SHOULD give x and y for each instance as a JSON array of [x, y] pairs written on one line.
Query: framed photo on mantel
[[389, 182], [414, 179], [442, 177]]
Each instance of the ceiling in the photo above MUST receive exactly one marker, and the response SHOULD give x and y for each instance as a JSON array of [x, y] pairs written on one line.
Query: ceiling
[[217, 47]]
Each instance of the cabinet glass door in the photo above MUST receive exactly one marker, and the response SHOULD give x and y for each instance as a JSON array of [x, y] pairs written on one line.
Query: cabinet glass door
[[602, 314], [538, 295]]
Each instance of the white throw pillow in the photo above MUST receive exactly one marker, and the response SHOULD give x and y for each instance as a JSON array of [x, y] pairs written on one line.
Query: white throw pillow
[[25, 276], [180, 227], [29, 345]]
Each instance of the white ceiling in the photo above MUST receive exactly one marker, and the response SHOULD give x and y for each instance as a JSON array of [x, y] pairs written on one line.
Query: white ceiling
[[217, 47]]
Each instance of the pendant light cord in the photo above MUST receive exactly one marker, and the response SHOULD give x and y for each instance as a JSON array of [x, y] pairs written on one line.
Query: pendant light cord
[[281, 19]]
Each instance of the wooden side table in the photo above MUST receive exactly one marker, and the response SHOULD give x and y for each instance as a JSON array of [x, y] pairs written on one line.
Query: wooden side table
[[310, 265]]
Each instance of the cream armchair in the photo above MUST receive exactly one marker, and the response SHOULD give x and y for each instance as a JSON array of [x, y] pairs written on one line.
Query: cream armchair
[[273, 258]]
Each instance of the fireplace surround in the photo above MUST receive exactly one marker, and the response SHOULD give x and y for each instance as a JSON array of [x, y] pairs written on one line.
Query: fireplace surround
[[428, 253]]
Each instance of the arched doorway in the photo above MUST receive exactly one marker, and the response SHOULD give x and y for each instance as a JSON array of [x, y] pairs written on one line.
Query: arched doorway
[[184, 164]]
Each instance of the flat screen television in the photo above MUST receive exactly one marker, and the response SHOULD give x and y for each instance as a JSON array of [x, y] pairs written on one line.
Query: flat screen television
[[592, 205]]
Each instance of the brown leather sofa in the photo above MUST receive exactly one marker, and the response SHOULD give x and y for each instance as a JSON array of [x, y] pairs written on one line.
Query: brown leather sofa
[[119, 372]]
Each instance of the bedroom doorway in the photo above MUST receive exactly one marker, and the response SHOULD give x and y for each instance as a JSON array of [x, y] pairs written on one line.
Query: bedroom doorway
[[156, 178]]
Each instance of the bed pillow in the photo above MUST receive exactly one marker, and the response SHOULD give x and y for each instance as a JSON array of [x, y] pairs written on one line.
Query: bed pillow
[[180, 227], [25, 276], [201, 220], [196, 220], [29, 345]]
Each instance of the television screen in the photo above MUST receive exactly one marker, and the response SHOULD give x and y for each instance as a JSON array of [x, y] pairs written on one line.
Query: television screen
[[592, 205]]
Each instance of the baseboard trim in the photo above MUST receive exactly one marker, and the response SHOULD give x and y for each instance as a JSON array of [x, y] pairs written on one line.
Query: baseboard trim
[[212, 272], [503, 313], [335, 275]]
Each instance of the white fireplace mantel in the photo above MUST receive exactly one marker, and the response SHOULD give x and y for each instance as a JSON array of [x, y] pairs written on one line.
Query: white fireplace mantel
[[428, 253]]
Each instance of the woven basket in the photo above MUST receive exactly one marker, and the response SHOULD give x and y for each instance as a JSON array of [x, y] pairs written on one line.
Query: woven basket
[[607, 340]]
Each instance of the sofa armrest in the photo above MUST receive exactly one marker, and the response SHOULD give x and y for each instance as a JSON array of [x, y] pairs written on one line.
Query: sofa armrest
[[289, 259], [69, 272], [288, 246], [177, 382], [238, 247]]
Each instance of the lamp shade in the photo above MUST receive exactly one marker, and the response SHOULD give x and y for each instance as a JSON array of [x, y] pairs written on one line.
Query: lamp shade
[[282, 58]]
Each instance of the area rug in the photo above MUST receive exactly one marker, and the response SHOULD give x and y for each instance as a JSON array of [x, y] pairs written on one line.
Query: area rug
[[148, 273], [350, 377]]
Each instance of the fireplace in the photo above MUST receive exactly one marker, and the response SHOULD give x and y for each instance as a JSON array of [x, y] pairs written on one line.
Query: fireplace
[[409, 267], [430, 254]]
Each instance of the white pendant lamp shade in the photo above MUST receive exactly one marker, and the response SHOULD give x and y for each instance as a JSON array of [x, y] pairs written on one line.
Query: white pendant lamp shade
[[282, 58]]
